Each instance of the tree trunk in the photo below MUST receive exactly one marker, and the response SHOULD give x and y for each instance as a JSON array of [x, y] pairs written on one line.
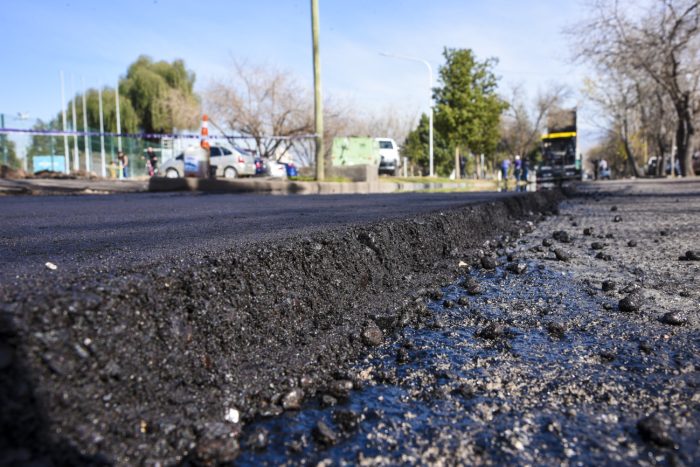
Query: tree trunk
[[684, 133], [661, 158], [630, 158], [457, 174]]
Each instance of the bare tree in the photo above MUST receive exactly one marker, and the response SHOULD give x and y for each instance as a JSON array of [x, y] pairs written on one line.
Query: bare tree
[[523, 123], [661, 43], [264, 104]]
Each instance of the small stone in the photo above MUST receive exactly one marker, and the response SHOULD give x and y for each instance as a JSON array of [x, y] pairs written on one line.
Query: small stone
[[609, 235], [547, 242], [617, 219], [347, 420], [491, 331], [556, 330], [632, 243], [562, 255], [402, 356], [609, 285], [437, 295], [613, 209], [646, 347], [215, 451], [293, 399], [603, 256], [328, 401], [632, 302], [655, 429], [663, 233], [51, 266], [488, 263], [258, 440], [232, 415], [462, 301], [372, 336], [448, 304], [607, 356], [472, 286], [674, 318], [597, 245], [562, 235], [692, 255], [517, 268], [323, 434], [340, 388], [588, 231]]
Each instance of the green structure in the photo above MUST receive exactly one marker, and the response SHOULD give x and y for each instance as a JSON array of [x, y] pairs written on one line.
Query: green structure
[[355, 150]]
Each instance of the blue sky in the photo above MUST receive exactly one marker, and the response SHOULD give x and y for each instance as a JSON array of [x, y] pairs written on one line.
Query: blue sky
[[96, 41]]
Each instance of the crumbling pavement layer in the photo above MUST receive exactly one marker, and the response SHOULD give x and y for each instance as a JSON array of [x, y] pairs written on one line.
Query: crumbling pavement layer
[[167, 363]]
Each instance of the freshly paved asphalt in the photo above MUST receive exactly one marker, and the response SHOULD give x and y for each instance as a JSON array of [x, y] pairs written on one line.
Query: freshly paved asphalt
[[110, 231]]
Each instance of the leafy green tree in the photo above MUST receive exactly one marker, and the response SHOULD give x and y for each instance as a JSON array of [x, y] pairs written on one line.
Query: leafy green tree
[[468, 108], [417, 146], [162, 95], [8, 152]]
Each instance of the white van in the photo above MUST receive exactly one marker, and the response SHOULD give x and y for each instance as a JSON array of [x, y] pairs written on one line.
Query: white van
[[389, 158]]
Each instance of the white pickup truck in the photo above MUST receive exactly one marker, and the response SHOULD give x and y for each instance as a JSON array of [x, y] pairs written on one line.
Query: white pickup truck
[[389, 158]]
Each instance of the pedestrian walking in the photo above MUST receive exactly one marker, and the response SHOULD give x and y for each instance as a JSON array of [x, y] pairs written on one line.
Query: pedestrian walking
[[517, 168], [124, 162], [151, 162], [505, 165]]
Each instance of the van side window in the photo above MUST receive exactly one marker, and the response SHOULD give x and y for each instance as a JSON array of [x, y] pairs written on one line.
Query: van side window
[[385, 145], [226, 152], [215, 151]]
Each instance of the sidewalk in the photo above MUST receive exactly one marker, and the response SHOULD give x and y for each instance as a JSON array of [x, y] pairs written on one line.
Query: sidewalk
[[39, 186]]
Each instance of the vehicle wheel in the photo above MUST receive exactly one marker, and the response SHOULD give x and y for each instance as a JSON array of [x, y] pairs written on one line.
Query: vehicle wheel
[[172, 173], [230, 172]]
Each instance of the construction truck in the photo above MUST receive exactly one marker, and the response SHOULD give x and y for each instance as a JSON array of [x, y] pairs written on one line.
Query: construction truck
[[560, 161]]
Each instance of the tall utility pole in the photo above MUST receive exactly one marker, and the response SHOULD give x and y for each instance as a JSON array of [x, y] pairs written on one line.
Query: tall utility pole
[[430, 115], [3, 137], [66, 167], [318, 102], [102, 135], [76, 159], [86, 138], [119, 132]]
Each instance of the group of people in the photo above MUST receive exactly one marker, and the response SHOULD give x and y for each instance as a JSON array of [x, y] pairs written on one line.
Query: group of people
[[521, 169], [151, 162], [601, 171]]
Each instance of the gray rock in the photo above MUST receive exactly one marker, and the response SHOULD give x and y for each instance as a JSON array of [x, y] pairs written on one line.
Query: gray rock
[[632, 243], [372, 336], [517, 268], [597, 245], [617, 219], [293, 399], [562, 255], [608, 285], [340, 388], [588, 231], [258, 440], [547, 242], [491, 331], [655, 429], [323, 434], [562, 236], [632, 302], [674, 318], [488, 263], [556, 329]]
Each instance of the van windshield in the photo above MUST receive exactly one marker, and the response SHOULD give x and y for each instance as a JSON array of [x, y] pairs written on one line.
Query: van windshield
[[385, 145]]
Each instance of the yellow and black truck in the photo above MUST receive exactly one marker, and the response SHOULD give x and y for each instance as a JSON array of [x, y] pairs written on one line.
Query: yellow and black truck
[[560, 161]]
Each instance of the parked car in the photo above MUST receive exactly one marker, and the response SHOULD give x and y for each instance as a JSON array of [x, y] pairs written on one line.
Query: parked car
[[229, 163], [389, 158]]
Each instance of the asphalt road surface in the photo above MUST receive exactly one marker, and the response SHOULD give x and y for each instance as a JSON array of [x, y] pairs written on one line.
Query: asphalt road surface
[[75, 232]]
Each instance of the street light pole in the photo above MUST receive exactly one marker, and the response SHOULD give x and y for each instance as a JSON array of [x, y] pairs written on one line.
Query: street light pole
[[318, 102], [430, 115]]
